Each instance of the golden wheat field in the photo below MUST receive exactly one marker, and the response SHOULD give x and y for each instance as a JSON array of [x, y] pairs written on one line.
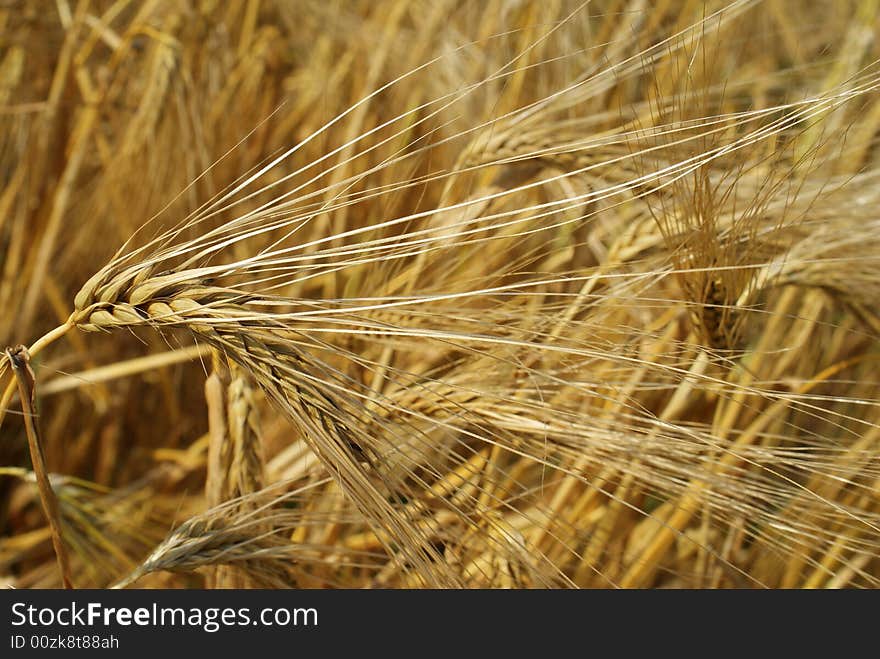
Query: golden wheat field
[[447, 293]]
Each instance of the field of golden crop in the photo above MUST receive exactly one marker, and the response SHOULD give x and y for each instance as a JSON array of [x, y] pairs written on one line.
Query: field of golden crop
[[447, 293]]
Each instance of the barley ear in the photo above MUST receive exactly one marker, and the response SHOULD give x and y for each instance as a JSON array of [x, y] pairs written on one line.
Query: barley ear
[[235, 462]]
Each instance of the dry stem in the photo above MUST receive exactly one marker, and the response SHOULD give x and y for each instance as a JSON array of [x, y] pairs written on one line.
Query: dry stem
[[19, 358]]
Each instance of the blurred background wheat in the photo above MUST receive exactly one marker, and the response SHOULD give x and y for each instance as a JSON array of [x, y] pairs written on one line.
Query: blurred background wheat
[[471, 294]]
